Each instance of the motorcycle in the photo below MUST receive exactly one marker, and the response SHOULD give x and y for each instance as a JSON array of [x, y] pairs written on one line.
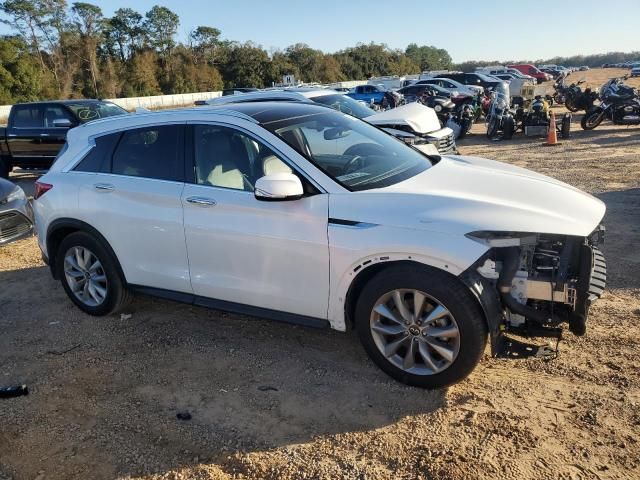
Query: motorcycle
[[560, 90], [576, 99], [500, 118], [619, 103], [455, 114]]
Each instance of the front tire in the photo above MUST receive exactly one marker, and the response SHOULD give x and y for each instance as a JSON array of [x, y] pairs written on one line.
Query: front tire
[[421, 326], [570, 104], [90, 276], [592, 119], [508, 127]]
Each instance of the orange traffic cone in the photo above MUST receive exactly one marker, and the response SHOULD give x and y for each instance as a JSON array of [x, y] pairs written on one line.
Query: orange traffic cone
[[552, 136]]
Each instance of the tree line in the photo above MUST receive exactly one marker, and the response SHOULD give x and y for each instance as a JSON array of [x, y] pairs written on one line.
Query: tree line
[[69, 51], [60, 50]]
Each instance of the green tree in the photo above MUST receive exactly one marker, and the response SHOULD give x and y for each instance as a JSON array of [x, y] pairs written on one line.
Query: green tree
[[246, 65], [126, 31], [88, 22], [429, 57], [161, 27]]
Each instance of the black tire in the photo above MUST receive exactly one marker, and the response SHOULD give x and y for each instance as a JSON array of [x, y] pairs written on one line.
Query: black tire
[[449, 292], [592, 119], [565, 129], [465, 127], [570, 104], [492, 127], [117, 297], [5, 167], [508, 127]]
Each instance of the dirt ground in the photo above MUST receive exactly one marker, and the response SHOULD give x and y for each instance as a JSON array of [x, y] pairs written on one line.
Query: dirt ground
[[275, 401]]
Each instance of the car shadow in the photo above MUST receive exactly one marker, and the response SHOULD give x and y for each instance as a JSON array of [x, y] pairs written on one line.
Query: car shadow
[[109, 390]]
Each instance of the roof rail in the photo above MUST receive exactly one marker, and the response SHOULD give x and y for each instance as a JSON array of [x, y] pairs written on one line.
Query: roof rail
[[207, 109]]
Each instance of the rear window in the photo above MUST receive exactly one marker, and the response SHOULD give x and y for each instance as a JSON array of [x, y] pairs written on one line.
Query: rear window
[[27, 116]]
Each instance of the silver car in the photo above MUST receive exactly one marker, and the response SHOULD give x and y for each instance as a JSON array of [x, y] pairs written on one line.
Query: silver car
[[16, 216]]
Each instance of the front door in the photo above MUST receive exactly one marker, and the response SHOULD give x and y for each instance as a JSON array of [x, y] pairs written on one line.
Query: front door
[[271, 255]]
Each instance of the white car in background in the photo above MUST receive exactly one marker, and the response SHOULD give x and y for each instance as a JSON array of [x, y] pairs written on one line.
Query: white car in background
[[413, 123], [452, 86], [300, 213]]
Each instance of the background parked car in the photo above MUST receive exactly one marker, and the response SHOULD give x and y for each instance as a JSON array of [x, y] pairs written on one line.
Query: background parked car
[[414, 124], [452, 86], [16, 217], [477, 79], [36, 131]]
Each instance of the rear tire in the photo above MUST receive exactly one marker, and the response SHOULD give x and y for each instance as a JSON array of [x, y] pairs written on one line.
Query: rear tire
[[459, 331], [592, 119], [109, 293]]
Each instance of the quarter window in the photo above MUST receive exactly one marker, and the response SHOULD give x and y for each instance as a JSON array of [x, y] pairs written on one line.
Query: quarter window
[[97, 160], [152, 152]]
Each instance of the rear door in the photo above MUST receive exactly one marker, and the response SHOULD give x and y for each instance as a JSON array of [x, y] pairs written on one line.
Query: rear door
[[24, 132], [132, 196]]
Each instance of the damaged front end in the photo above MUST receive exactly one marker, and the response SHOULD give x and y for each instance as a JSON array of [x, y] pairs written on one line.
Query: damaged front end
[[530, 284]]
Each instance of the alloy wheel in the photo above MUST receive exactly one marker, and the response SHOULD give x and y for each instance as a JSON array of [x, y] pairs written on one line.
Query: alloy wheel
[[415, 332], [85, 276]]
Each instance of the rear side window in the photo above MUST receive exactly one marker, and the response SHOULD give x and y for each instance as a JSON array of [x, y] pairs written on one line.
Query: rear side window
[[97, 160], [151, 152], [27, 116]]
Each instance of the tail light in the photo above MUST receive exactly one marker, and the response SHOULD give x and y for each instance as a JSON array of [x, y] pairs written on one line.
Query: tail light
[[41, 189]]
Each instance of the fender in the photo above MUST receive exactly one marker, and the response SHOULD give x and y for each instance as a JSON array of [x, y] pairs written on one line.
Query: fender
[[340, 287], [71, 225]]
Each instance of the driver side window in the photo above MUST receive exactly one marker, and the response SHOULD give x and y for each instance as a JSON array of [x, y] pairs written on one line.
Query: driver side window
[[228, 158]]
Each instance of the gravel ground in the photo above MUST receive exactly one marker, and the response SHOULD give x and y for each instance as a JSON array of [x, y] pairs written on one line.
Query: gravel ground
[[274, 401]]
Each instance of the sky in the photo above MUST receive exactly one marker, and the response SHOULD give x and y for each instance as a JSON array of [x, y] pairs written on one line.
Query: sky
[[467, 29]]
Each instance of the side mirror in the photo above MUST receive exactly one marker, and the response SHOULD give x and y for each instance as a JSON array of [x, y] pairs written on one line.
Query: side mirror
[[62, 123], [278, 187]]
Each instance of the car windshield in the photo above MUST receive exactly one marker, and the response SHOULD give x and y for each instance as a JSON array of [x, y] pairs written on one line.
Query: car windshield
[[345, 104], [87, 111], [357, 155]]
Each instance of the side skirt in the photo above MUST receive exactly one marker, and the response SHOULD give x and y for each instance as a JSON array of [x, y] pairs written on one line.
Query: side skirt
[[232, 307]]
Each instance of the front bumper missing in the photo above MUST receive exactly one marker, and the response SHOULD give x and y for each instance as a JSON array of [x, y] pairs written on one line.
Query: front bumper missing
[[591, 284]]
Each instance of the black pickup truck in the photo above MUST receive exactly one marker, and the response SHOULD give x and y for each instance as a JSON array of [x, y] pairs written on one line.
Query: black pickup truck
[[36, 131]]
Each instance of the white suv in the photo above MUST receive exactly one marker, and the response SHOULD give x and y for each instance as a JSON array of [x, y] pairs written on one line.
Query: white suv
[[300, 213]]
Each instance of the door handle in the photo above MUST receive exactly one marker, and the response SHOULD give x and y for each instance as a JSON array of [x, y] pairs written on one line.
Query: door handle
[[44, 134], [104, 187], [202, 201]]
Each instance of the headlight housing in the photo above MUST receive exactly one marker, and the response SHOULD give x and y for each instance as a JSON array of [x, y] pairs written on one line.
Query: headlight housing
[[499, 239], [16, 194]]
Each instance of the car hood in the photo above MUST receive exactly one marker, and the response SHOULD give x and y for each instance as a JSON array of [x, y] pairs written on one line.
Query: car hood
[[460, 195], [419, 118]]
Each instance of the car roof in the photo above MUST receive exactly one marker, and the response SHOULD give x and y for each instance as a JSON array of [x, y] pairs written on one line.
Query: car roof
[[256, 112], [293, 94], [67, 102]]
